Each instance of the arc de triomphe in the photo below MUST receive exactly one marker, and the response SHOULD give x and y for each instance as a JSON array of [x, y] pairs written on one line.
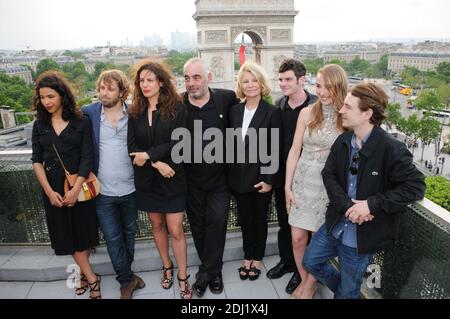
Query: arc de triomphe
[[269, 23]]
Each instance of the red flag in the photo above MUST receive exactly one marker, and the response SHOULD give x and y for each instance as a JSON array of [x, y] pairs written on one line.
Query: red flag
[[242, 51], [242, 54]]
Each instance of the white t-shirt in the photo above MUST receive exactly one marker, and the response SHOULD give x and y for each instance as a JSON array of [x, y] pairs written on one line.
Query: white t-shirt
[[248, 115]]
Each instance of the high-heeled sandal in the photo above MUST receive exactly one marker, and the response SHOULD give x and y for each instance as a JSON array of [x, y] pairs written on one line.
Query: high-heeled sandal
[[83, 287], [243, 273], [255, 271], [95, 287], [167, 282], [187, 292]]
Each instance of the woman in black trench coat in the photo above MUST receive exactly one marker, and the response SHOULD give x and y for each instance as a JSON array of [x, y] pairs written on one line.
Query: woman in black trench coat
[[72, 225]]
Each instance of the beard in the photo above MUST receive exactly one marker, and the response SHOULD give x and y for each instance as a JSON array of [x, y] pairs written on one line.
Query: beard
[[109, 103]]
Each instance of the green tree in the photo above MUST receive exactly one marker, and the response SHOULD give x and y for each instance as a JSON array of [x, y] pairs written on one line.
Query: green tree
[[413, 77], [237, 65], [443, 70], [341, 63], [393, 114], [443, 91], [74, 54], [358, 66], [176, 60], [74, 70], [84, 101], [313, 65], [14, 92], [382, 66], [429, 130], [438, 191], [410, 127], [46, 65], [429, 100], [100, 67]]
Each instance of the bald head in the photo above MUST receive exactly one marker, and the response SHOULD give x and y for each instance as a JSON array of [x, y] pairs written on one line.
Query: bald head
[[199, 62], [197, 78]]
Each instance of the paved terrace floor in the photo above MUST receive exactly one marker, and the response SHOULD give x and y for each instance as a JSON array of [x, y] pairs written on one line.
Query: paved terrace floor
[[35, 273]]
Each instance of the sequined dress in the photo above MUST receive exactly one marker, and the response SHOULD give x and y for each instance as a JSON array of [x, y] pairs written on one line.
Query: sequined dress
[[307, 186]]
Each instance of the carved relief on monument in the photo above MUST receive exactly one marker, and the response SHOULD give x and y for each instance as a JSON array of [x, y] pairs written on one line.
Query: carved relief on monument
[[199, 37], [261, 31], [277, 60], [217, 36], [217, 67], [280, 35]]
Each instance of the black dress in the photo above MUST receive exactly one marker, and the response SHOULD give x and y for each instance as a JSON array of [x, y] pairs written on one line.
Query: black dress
[[71, 229], [154, 192]]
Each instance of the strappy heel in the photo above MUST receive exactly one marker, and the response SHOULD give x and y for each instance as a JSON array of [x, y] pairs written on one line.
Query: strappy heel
[[95, 287], [256, 272], [187, 292], [243, 273], [83, 288], [167, 282]]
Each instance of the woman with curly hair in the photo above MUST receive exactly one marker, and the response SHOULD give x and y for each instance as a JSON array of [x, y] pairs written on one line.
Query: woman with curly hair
[[160, 183], [61, 129]]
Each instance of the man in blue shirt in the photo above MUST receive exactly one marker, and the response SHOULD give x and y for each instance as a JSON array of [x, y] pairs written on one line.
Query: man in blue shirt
[[116, 203], [370, 178]]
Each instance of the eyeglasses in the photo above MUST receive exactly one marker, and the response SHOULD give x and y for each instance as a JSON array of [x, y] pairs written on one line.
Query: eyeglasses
[[354, 164]]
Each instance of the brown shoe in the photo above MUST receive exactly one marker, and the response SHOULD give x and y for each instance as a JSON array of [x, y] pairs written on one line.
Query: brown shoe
[[126, 292], [140, 282]]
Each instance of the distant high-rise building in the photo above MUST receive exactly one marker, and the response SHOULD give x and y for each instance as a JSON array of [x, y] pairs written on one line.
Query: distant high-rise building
[[152, 41], [182, 41]]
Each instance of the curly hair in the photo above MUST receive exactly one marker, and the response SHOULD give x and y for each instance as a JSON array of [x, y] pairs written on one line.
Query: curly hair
[[168, 96], [56, 81]]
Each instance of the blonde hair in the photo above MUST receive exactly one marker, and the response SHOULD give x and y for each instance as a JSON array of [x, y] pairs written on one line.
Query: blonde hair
[[336, 83], [260, 76], [117, 76]]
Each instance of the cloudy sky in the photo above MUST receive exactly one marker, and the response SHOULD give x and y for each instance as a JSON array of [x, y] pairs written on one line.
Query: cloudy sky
[[58, 24]]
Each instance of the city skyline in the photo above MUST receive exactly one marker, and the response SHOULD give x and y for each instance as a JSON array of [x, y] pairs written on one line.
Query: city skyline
[[55, 25]]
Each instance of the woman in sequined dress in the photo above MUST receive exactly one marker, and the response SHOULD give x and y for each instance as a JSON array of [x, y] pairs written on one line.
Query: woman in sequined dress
[[318, 126]]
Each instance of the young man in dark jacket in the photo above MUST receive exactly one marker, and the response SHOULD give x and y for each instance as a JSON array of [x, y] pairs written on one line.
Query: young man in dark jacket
[[291, 78], [370, 178]]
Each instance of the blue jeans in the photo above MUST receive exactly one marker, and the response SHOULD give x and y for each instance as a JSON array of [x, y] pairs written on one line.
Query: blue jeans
[[117, 219], [352, 266]]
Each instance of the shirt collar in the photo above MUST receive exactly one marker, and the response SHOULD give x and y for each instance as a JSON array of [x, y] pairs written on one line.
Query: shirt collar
[[102, 113], [363, 141]]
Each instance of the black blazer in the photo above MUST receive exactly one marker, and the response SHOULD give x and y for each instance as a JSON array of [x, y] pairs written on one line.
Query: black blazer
[[158, 144], [387, 179], [74, 145], [242, 177]]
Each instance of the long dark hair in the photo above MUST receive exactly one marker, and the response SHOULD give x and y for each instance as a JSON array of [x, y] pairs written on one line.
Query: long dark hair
[[55, 81], [168, 95]]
